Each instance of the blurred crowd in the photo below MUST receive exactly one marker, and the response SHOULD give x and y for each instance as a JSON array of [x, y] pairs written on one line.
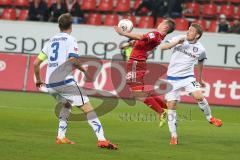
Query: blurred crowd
[[40, 11], [225, 27]]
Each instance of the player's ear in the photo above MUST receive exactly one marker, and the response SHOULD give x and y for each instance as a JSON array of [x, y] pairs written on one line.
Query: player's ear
[[198, 36]]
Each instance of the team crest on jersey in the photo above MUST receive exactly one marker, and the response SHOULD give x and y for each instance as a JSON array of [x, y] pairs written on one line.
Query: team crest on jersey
[[151, 35], [195, 49]]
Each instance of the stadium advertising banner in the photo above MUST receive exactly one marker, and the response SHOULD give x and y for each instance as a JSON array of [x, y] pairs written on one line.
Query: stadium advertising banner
[[223, 85], [12, 71], [103, 42]]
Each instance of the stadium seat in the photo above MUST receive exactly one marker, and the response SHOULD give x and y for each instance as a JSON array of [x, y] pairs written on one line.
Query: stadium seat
[[132, 18], [228, 10], [21, 3], [235, 1], [123, 6], [111, 20], [182, 24], [237, 14], [5, 2], [220, 1], [49, 2], [192, 9], [201, 22], [9, 14], [23, 14], [159, 20], [146, 22], [94, 19], [136, 4], [105, 5], [209, 11], [88, 5], [213, 26]]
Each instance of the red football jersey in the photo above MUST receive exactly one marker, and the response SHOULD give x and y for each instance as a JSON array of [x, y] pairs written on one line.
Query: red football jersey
[[149, 41]]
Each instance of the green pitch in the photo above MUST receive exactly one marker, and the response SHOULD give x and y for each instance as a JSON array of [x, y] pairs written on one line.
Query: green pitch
[[28, 130]]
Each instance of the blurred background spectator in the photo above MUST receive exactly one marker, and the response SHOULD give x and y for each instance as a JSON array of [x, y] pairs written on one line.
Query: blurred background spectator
[[235, 28], [56, 9], [37, 10], [156, 8], [143, 13], [174, 8], [223, 25], [75, 10]]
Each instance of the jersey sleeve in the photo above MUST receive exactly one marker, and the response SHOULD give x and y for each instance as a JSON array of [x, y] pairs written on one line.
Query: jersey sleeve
[[173, 39], [73, 49], [202, 56], [45, 49]]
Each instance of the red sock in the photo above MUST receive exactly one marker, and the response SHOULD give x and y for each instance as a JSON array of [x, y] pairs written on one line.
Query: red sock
[[151, 102], [159, 100]]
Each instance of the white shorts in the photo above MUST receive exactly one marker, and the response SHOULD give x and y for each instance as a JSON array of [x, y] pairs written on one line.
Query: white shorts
[[71, 93], [189, 85]]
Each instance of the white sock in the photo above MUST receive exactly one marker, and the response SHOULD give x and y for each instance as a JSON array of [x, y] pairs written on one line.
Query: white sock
[[172, 122], [204, 106], [94, 122], [63, 118]]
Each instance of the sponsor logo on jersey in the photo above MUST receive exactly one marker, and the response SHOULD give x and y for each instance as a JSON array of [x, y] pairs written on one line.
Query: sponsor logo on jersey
[[180, 49]]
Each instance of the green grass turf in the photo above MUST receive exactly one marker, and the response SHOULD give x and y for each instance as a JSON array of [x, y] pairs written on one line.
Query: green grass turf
[[28, 130]]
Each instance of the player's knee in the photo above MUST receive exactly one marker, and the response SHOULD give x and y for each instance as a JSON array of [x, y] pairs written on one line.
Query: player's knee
[[199, 97], [171, 105]]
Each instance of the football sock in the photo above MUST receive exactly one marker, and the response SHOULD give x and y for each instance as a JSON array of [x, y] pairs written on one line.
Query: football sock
[[159, 101], [152, 103], [172, 122], [94, 122], [204, 106], [63, 118]]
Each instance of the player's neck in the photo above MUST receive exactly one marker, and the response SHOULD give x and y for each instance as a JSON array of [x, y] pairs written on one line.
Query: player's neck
[[66, 31], [192, 42], [163, 33]]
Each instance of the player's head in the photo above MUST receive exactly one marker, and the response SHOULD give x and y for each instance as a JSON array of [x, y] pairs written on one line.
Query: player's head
[[65, 23], [194, 32], [166, 26]]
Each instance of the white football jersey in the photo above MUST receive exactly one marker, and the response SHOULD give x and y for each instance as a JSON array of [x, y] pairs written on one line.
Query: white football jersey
[[58, 50], [184, 57]]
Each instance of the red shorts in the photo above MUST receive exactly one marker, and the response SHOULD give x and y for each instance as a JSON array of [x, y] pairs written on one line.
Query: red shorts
[[135, 74]]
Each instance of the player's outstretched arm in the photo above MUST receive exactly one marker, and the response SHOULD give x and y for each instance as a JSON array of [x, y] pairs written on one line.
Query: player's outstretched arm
[[169, 45], [75, 62], [127, 34], [37, 64]]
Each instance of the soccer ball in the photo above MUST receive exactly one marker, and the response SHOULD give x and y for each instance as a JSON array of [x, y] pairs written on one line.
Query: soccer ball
[[126, 25]]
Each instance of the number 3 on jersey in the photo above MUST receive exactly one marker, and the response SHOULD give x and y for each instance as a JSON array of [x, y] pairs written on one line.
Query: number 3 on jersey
[[55, 47]]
